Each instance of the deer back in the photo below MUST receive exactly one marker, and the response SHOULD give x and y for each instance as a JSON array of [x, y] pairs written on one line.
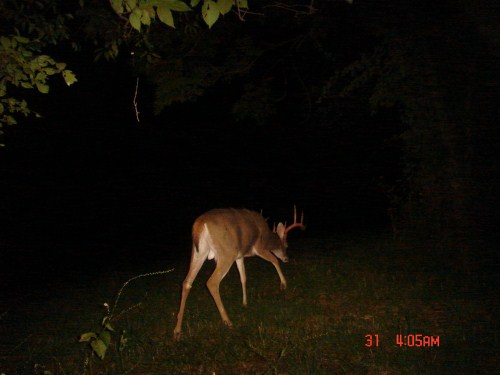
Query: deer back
[[236, 231]]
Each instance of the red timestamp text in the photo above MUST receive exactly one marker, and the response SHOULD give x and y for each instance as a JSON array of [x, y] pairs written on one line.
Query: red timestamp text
[[418, 341], [371, 340], [410, 340]]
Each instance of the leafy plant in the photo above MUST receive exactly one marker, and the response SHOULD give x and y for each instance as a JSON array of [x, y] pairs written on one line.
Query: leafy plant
[[23, 67], [100, 340], [141, 12], [22, 63]]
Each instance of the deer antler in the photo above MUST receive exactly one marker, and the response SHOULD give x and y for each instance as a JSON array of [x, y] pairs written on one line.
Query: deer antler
[[295, 223]]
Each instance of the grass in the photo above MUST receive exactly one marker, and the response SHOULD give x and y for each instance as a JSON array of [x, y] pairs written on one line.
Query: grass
[[338, 292]]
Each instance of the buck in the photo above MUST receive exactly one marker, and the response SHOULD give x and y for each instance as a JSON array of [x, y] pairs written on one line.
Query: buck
[[229, 235]]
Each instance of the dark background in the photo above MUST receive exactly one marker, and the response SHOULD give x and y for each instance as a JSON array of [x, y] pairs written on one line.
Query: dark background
[[88, 188], [92, 177]]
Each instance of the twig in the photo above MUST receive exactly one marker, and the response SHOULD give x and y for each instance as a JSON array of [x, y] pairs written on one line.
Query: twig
[[110, 314], [135, 101], [297, 9]]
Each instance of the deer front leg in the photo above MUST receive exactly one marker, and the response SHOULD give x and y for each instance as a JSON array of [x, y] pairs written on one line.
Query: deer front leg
[[267, 255], [243, 277], [213, 283]]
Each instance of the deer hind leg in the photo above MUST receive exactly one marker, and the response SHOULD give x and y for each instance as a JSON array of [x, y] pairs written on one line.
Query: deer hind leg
[[223, 266], [197, 260], [243, 277], [267, 255]]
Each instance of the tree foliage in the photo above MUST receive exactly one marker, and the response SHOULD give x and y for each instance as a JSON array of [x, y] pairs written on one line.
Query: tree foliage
[[28, 28], [251, 59], [31, 27], [141, 12]]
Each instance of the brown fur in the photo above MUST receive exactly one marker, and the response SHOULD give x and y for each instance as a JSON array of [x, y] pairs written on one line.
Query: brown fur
[[230, 235], [240, 229]]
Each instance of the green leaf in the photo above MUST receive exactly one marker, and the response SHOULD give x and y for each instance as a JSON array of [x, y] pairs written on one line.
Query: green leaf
[[210, 12], [21, 39], [225, 6], [176, 5], [86, 337], [5, 42], [145, 17], [117, 6], [26, 85], [105, 319], [26, 54], [44, 60], [106, 324], [105, 336], [41, 77], [99, 348], [69, 77], [165, 16], [51, 71], [130, 5], [43, 88], [243, 4], [61, 65], [9, 120], [135, 19], [194, 3]]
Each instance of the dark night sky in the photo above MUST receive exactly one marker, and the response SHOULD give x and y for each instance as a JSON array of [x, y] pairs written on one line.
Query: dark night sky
[[89, 175], [87, 179]]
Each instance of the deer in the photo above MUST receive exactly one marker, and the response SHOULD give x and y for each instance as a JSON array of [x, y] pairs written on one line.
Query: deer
[[230, 235]]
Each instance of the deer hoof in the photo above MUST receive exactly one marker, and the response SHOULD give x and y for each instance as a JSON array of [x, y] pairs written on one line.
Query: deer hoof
[[228, 324], [283, 286], [177, 336]]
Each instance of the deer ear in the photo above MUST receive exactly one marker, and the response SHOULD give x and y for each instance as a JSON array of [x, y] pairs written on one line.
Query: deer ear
[[280, 230]]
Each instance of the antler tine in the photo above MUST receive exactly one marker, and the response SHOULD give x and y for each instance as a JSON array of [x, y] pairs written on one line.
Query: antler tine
[[295, 223]]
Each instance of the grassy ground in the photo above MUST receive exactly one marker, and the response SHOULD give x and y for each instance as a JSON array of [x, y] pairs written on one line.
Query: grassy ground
[[339, 291]]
